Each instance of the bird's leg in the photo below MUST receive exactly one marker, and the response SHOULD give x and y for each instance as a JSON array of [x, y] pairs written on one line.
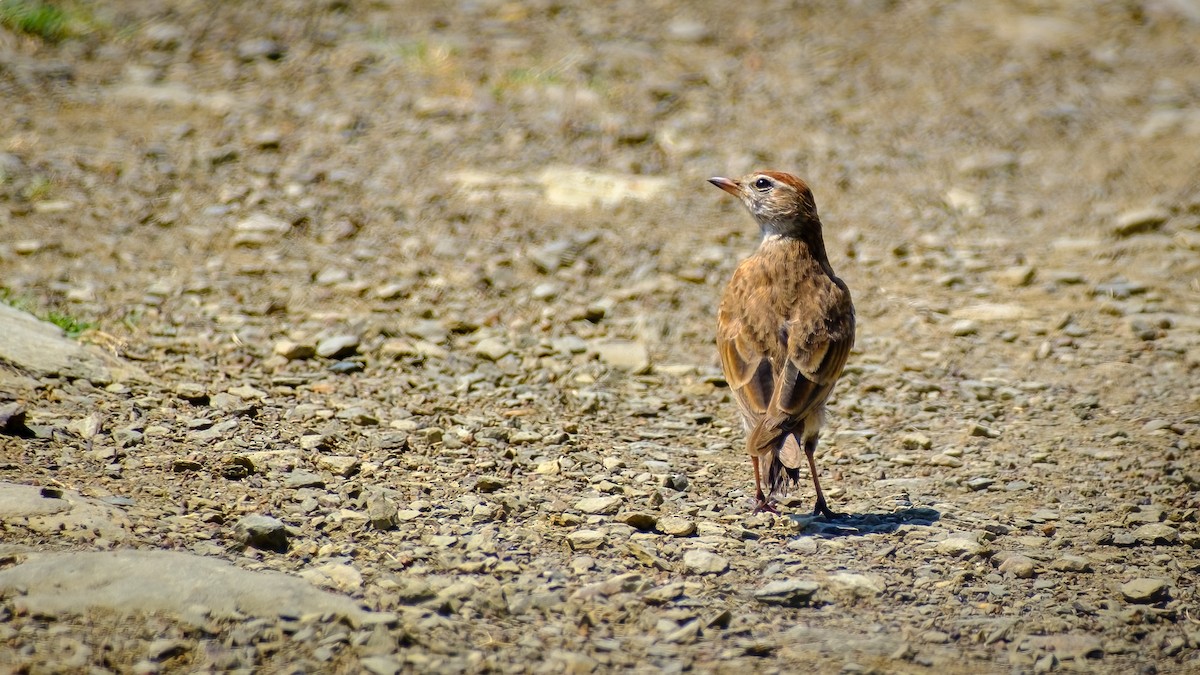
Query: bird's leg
[[821, 509], [763, 504]]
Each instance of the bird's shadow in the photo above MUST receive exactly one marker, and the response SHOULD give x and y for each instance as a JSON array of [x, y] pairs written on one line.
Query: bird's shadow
[[859, 524]]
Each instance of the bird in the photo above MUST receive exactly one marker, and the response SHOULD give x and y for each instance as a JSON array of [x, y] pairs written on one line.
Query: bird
[[785, 327]]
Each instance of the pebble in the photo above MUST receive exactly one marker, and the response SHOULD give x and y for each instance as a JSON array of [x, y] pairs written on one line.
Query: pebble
[[382, 512], [1072, 563], [294, 351], [699, 561], [1156, 534], [600, 505], [1140, 221], [1019, 566], [623, 355], [945, 460], [964, 327], [788, 592], [1144, 590], [676, 526], [338, 346], [582, 540], [264, 532], [959, 546], [339, 465], [263, 224], [640, 520], [491, 483], [492, 349]]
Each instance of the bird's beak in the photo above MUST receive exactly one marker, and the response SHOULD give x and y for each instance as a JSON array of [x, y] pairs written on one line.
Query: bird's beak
[[726, 184]]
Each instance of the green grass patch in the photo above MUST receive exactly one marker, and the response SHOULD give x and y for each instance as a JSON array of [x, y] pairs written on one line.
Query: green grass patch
[[70, 325], [49, 21], [34, 18]]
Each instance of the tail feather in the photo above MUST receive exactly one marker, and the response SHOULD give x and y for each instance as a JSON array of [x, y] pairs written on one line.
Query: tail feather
[[784, 471]]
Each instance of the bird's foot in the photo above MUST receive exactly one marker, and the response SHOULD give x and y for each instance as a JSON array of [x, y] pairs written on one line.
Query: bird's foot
[[822, 509], [765, 506]]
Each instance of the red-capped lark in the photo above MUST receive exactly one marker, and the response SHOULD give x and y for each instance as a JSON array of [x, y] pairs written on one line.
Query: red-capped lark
[[784, 329]]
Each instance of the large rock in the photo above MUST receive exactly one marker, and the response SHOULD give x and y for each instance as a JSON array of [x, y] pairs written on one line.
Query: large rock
[[171, 582], [62, 514], [40, 349]]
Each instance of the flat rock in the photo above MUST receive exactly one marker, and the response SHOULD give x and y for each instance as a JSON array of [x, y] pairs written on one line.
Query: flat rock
[[61, 513], [789, 592], [336, 576], [676, 526], [1156, 534], [163, 581], [699, 561], [1140, 221], [599, 505], [41, 349], [960, 546], [623, 355], [338, 346], [263, 532], [993, 311], [1144, 590]]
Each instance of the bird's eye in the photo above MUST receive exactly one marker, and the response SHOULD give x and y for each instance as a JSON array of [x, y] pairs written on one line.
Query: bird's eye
[[762, 184]]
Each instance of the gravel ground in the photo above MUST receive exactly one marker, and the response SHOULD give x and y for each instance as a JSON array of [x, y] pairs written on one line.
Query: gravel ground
[[423, 298]]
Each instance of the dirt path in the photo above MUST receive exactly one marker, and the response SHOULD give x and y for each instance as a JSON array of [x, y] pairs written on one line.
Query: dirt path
[[432, 286]]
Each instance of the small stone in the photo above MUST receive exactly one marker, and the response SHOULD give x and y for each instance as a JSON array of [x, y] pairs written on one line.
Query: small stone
[[1017, 276], [788, 592], [549, 467], [945, 460], [979, 483], [263, 532], [1140, 221], [492, 349], [547, 290], [294, 351], [639, 520], [676, 526], [490, 483], [600, 505], [581, 540], [1019, 566], [624, 355], [1156, 534], [192, 392], [338, 346], [1144, 590], [960, 546], [855, 585], [339, 465], [699, 561], [980, 431], [381, 665], [336, 575], [303, 479], [964, 327], [260, 48], [261, 223], [247, 393], [185, 465], [163, 649], [382, 512], [915, 441], [1072, 563]]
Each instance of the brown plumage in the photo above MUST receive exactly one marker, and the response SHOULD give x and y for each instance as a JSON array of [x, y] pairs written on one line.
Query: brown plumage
[[784, 329]]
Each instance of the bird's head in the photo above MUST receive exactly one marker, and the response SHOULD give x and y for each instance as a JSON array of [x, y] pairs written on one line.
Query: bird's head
[[780, 202]]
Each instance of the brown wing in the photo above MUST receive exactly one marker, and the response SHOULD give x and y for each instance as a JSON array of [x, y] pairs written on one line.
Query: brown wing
[[816, 353]]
